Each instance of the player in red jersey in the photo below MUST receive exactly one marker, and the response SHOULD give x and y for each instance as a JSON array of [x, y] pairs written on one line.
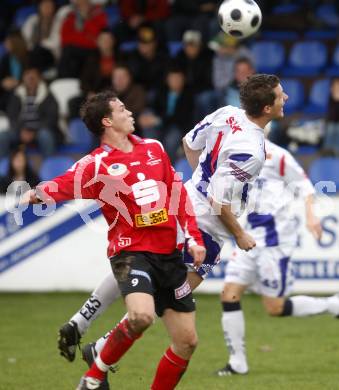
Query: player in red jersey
[[142, 200]]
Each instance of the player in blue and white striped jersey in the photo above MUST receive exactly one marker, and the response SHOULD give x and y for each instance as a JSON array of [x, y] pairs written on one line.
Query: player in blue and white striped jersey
[[267, 269]]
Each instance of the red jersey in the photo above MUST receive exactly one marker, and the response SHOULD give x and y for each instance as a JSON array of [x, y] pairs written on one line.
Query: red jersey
[[140, 196]]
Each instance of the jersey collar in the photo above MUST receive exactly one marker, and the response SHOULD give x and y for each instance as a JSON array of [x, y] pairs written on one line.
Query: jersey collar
[[133, 138]]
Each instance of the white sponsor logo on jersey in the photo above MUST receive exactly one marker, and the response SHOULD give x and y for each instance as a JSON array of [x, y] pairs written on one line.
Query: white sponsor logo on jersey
[[116, 169], [152, 160]]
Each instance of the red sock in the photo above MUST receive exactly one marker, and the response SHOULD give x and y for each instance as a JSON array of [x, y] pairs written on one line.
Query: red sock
[[169, 372], [117, 344]]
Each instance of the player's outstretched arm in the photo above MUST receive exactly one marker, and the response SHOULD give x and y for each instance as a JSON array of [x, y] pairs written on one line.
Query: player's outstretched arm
[[312, 222]]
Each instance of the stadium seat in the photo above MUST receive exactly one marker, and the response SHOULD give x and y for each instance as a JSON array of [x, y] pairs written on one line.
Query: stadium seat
[[54, 166], [321, 34], [63, 90], [182, 166], [285, 8], [318, 97], [4, 163], [295, 91], [22, 14], [279, 35], [269, 56], [325, 169], [333, 70], [327, 14], [306, 59], [174, 47], [79, 136]]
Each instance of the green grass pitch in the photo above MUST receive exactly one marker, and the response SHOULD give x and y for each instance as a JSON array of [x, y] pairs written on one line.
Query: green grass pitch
[[284, 353]]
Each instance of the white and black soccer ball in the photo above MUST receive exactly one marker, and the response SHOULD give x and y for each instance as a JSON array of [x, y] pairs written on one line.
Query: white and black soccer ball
[[239, 18]]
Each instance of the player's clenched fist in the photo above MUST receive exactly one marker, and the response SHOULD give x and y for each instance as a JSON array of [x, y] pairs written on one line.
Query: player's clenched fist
[[198, 253], [245, 242]]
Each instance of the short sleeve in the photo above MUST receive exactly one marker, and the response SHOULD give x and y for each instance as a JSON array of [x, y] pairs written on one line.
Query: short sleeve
[[196, 138]]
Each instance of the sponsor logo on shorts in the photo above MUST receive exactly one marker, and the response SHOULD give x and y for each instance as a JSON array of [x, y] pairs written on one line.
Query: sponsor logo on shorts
[[151, 218], [182, 291]]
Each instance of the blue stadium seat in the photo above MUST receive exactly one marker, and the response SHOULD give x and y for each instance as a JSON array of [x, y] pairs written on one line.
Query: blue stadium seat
[[285, 8], [325, 169], [327, 14], [80, 136], [4, 165], [318, 97], [174, 47], [269, 56], [22, 14], [321, 34], [54, 166], [296, 97], [113, 15], [306, 59], [279, 35], [182, 166], [333, 69], [128, 45]]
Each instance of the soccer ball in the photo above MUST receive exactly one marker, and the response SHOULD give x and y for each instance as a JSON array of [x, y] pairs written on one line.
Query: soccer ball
[[239, 18]]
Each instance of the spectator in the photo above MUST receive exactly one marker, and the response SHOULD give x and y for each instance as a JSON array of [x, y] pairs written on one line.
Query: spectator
[[171, 116], [331, 139], [41, 35], [131, 94], [79, 33], [243, 68], [97, 71], [18, 170], [33, 114], [12, 65], [227, 50], [193, 15], [196, 62], [135, 13], [147, 62]]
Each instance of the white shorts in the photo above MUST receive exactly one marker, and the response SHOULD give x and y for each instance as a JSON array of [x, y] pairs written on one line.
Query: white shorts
[[266, 271]]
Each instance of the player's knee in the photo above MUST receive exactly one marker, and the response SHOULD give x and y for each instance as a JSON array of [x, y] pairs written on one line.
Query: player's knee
[[140, 321], [229, 294], [187, 344], [274, 308]]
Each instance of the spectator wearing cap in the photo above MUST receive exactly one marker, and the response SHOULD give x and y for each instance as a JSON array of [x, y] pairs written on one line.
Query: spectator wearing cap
[[196, 62], [33, 114], [227, 50], [79, 33], [147, 62]]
